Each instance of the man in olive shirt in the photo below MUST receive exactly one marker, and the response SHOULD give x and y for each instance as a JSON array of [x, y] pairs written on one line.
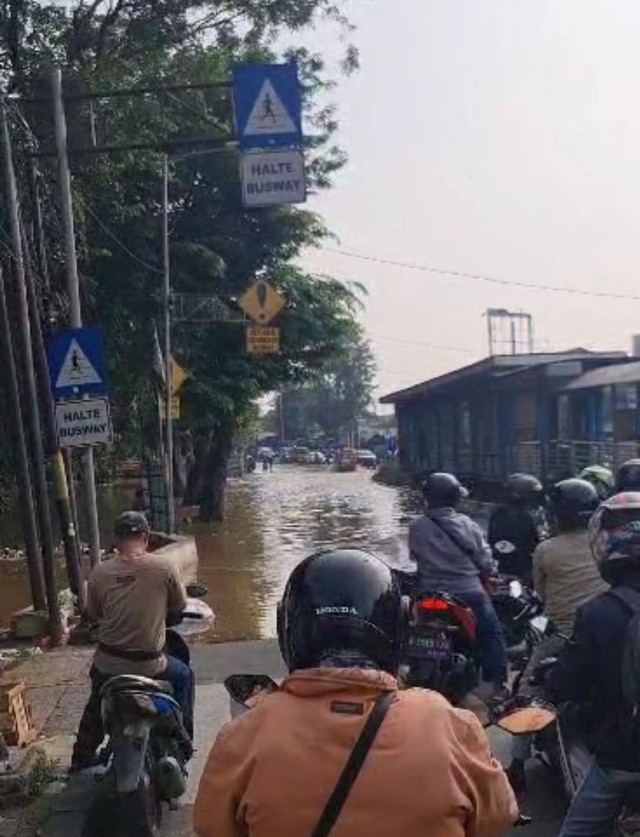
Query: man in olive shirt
[[131, 596]]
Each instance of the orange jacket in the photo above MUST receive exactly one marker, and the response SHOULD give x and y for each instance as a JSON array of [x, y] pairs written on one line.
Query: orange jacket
[[429, 773]]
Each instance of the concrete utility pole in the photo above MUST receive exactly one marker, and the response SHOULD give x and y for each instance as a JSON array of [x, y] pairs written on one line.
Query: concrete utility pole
[[23, 475], [168, 418], [73, 289], [28, 369]]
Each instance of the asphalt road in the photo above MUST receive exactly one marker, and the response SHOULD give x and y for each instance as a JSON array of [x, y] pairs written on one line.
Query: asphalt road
[[213, 663]]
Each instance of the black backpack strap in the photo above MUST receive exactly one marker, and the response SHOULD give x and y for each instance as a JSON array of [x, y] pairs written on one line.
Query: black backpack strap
[[627, 596], [464, 548], [354, 765]]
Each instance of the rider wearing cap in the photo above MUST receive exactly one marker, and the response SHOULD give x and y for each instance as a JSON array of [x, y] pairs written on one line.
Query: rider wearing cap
[[272, 770], [131, 597], [453, 556]]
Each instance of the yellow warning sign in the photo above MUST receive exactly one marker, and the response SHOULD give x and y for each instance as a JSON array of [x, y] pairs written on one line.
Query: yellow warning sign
[[261, 302], [178, 376], [263, 340]]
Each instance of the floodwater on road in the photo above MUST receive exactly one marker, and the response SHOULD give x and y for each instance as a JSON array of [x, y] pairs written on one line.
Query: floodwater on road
[[273, 521], [276, 519]]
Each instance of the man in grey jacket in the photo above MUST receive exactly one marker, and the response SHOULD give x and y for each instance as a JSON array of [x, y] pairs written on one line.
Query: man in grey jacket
[[452, 555]]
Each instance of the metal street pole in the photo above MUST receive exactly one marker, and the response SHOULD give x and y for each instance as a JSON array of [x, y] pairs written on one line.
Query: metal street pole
[[73, 289], [23, 475], [167, 341], [32, 407]]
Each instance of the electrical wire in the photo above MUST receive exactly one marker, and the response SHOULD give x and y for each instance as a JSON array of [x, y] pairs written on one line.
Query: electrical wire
[[421, 343], [115, 238], [480, 277]]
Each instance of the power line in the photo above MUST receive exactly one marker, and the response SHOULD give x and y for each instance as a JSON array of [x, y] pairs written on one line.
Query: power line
[[115, 238], [422, 343], [460, 274]]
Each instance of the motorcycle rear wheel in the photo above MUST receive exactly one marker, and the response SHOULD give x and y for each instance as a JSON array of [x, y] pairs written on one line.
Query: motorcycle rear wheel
[[137, 814]]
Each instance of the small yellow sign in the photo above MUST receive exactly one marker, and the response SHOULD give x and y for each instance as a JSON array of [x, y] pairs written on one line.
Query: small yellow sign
[[261, 302], [175, 408], [263, 340], [178, 376]]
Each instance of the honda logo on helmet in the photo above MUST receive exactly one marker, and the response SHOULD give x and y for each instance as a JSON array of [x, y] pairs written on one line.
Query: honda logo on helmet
[[336, 611]]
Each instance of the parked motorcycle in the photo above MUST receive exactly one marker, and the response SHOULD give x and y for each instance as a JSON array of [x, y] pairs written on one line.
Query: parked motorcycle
[[146, 752]]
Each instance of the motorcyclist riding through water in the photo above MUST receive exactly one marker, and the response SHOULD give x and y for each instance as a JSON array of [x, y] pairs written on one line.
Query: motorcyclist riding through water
[[279, 767], [131, 596], [565, 578], [517, 526], [453, 556], [593, 666]]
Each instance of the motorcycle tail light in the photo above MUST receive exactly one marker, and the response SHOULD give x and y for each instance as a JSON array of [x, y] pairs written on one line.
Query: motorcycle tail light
[[433, 604]]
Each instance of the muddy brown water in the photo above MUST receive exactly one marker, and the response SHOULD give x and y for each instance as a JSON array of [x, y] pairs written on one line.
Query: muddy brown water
[[273, 521]]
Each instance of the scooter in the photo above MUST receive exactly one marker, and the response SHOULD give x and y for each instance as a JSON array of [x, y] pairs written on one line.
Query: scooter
[[519, 610], [148, 746]]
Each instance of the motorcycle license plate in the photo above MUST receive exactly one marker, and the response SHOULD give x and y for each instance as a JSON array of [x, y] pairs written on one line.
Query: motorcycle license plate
[[430, 647]]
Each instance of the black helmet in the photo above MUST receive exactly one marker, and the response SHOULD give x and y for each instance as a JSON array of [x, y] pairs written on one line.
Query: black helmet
[[341, 600], [572, 503], [131, 524], [524, 489], [441, 490], [628, 476]]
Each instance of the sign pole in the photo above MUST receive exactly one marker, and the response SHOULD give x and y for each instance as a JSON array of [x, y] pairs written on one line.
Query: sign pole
[[168, 417], [73, 289], [32, 407]]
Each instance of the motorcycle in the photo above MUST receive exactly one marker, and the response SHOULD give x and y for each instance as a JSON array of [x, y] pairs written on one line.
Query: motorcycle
[[440, 647], [519, 610], [562, 745], [147, 748]]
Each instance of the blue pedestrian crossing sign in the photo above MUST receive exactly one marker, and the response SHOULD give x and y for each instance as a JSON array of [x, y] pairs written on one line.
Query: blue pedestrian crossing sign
[[267, 105], [76, 363]]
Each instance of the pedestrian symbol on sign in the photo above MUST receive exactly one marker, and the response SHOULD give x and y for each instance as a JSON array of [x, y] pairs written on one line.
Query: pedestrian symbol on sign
[[269, 115], [77, 369]]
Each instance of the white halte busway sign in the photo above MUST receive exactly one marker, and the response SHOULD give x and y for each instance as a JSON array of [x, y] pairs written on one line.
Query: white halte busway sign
[[272, 178], [82, 423]]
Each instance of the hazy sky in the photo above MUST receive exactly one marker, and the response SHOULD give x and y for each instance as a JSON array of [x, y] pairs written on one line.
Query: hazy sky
[[496, 137]]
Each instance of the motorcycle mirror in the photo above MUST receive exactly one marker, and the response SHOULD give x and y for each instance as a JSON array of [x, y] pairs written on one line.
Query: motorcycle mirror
[[528, 720], [197, 590], [243, 687]]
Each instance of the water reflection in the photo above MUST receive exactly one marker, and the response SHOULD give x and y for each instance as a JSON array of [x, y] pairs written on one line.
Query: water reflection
[[276, 519]]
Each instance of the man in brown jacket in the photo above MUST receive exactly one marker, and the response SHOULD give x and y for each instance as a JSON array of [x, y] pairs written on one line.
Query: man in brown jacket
[[272, 770]]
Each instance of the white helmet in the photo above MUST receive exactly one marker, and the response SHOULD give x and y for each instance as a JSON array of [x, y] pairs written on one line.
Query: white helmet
[[614, 534]]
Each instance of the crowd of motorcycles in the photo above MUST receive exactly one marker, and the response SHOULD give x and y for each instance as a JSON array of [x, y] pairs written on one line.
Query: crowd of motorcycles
[[147, 748]]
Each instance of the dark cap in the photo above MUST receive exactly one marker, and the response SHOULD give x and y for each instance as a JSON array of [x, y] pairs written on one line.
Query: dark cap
[[131, 524]]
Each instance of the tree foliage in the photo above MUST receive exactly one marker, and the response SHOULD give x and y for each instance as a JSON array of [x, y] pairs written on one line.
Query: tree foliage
[[331, 400], [217, 246]]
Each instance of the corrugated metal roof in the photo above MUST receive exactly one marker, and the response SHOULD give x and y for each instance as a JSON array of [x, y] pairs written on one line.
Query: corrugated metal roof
[[621, 373], [505, 363]]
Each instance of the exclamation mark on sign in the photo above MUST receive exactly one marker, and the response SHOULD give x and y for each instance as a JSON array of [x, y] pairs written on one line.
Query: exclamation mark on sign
[[261, 292]]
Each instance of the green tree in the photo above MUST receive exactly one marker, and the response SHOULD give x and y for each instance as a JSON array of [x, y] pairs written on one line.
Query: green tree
[[217, 247], [333, 397]]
